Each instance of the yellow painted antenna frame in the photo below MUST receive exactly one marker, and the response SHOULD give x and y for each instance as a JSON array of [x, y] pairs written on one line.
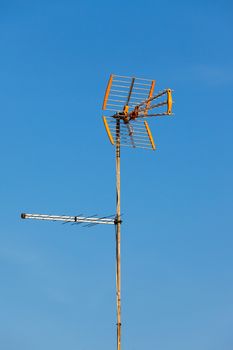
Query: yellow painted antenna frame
[[107, 92], [108, 131], [150, 95], [150, 135], [169, 101]]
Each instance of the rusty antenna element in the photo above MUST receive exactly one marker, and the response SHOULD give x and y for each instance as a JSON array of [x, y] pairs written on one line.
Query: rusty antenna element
[[128, 102]]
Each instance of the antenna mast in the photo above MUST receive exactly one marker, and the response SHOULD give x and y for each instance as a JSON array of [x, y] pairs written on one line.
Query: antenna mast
[[130, 99], [118, 234]]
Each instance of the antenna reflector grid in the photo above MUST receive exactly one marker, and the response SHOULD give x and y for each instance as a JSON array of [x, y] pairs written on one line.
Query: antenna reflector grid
[[134, 134], [124, 91]]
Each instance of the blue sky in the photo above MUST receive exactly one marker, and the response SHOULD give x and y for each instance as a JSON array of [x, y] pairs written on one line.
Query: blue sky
[[58, 281]]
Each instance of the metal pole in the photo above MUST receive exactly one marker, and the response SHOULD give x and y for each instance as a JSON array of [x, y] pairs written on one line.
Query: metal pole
[[118, 236]]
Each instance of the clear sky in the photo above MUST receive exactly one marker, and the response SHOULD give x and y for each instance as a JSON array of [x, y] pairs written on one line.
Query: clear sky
[[57, 287]]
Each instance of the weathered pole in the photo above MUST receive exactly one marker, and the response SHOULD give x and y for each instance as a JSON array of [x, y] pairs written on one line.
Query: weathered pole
[[118, 235]]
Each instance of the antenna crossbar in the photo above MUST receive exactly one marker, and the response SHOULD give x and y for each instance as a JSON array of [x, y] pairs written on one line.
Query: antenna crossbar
[[65, 218]]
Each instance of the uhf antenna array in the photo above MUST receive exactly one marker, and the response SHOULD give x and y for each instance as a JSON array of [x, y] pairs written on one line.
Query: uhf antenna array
[[128, 103], [132, 101]]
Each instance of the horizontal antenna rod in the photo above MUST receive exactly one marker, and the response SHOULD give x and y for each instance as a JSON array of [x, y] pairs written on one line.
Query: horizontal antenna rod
[[92, 220]]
